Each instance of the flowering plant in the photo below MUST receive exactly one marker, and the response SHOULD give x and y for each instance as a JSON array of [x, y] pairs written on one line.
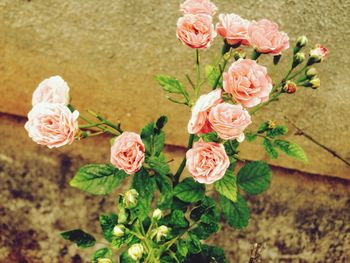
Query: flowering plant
[[163, 217]]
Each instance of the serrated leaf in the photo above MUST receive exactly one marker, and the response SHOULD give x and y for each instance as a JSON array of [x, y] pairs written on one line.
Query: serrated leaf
[[177, 219], [98, 179], [227, 186], [205, 211], [145, 185], [269, 149], [211, 73], [214, 254], [250, 136], [279, 130], [292, 149], [101, 253], [165, 188], [205, 230], [254, 177], [171, 84], [107, 223], [79, 237], [159, 164], [193, 243], [182, 248], [153, 141], [263, 127], [236, 213], [189, 191]]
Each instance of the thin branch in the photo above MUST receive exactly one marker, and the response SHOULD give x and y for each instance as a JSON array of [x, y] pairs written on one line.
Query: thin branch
[[255, 255]]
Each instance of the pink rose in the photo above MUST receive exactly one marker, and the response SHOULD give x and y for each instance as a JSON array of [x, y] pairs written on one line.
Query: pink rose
[[195, 31], [207, 161], [265, 37], [195, 7], [248, 82], [199, 119], [319, 53], [233, 28], [128, 152], [53, 90], [229, 121], [52, 124]]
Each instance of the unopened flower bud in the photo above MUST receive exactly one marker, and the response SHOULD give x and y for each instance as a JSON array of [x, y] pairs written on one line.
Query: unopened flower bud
[[136, 251], [104, 260], [271, 124], [301, 41], [239, 54], [161, 232], [130, 198], [315, 83], [298, 58], [290, 87], [119, 230], [318, 54], [157, 214], [311, 72]]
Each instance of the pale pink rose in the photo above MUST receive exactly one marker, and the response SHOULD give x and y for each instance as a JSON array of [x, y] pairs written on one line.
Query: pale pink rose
[[195, 31], [53, 90], [207, 162], [319, 53], [233, 28], [52, 124], [265, 37], [195, 7], [128, 152], [199, 119], [248, 82], [229, 121]]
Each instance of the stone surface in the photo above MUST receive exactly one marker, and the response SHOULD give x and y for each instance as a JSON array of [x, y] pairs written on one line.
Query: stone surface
[[109, 51], [301, 218]]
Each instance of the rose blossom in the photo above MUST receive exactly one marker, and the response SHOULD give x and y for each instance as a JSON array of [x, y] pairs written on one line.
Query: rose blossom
[[199, 119], [128, 152], [52, 124], [53, 90], [265, 37], [248, 82], [229, 121], [319, 53], [195, 31], [195, 7], [207, 161], [233, 28]]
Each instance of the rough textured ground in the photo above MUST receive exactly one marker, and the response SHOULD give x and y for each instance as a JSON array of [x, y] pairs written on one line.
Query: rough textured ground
[[301, 218]]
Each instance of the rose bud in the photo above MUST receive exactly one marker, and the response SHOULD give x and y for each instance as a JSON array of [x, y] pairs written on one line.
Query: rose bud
[[52, 90], [157, 214], [104, 260], [298, 58], [318, 54], [130, 198], [161, 232], [290, 87], [239, 53], [301, 42], [136, 251], [119, 230], [310, 73], [315, 83]]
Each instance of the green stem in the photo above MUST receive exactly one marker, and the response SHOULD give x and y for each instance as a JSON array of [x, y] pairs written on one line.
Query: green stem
[[183, 163], [105, 121], [89, 125], [298, 72], [273, 98], [198, 75]]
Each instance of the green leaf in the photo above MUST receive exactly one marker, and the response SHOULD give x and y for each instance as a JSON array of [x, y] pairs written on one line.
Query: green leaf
[[162, 120], [79, 237], [193, 243], [101, 253], [127, 240], [277, 131], [153, 139], [227, 186], [98, 179], [124, 258], [211, 137], [182, 248], [159, 164], [211, 73], [189, 190], [171, 85], [205, 211], [107, 223], [250, 136], [145, 185], [205, 230], [269, 149], [292, 149], [236, 213], [254, 177], [177, 219], [231, 147], [263, 127], [214, 254], [165, 188]]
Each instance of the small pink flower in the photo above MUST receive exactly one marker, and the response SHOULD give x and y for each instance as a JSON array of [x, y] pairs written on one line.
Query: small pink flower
[[199, 119], [265, 37], [233, 28], [248, 82], [53, 90], [128, 152], [195, 31], [52, 124], [319, 53], [207, 162], [229, 121], [195, 7]]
